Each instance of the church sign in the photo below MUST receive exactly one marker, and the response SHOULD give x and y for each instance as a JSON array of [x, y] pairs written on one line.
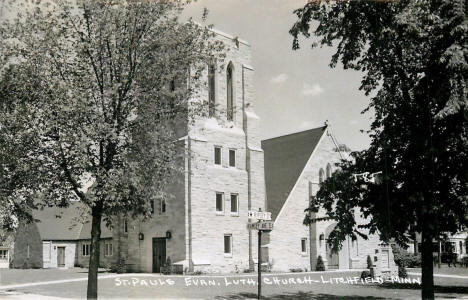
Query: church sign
[[259, 215], [262, 226]]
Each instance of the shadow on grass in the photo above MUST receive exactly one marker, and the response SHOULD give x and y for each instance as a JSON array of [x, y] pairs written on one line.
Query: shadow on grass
[[442, 289], [296, 296]]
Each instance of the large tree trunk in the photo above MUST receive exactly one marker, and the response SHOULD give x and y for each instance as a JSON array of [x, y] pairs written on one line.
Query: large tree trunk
[[94, 255], [427, 263]]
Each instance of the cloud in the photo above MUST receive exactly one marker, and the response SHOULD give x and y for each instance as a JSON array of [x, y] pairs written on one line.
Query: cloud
[[311, 90], [280, 78]]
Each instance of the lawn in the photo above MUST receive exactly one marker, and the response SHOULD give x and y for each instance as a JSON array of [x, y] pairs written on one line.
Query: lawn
[[445, 270]]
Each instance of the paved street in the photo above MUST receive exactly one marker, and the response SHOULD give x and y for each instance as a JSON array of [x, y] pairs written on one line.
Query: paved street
[[43, 284]]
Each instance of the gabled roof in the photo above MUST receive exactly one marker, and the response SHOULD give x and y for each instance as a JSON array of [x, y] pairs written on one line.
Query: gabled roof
[[285, 158], [56, 223]]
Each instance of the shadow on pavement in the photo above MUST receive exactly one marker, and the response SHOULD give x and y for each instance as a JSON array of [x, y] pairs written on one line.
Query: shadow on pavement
[[296, 296]]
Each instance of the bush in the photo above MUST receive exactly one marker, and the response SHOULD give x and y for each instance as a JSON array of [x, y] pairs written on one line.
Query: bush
[[365, 274], [320, 266], [402, 272], [295, 270], [405, 259], [118, 267], [370, 264]]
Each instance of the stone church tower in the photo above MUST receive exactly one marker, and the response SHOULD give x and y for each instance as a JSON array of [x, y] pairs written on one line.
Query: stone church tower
[[203, 225]]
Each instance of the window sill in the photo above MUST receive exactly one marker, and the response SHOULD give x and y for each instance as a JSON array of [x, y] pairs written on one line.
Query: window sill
[[234, 214], [220, 213], [228, 255]]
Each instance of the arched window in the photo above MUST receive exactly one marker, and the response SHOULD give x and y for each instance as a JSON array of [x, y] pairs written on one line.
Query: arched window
[[328, 171], [321, 239], [211, 89], [230, 91], [321, 174]]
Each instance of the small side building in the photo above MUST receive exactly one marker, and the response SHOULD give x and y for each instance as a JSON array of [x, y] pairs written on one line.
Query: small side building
[[58, 238]]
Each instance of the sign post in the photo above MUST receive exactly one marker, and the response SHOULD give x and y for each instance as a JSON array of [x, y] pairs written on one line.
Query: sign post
[[264, 224], [259, 264]]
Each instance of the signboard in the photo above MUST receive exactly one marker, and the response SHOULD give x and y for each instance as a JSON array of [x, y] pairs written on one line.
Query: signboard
[[260, 215], [262, 226]]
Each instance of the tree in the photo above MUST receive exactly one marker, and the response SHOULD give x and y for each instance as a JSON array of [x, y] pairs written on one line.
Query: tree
[[320, 265], [93, 96], [370, 264], [413, 57]]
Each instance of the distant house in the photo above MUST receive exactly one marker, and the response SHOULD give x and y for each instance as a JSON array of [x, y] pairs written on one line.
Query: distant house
[[57, 239], [6, 248]]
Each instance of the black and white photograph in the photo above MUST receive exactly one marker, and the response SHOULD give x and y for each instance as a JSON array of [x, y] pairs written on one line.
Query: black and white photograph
[[233, 149]]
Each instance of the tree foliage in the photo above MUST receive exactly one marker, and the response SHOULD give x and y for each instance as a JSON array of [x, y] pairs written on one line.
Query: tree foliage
[[413, 57], [94, 96]]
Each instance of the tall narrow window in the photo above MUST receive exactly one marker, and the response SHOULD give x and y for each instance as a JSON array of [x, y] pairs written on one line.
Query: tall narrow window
[[27, 254], [321, 174], [311, 191], [228, 244], [211, 89], [328, 171], [234, 204], [86, 249], [230, 92], [217, 155], [219, 203], [162, 207], [125, 226], [303, 245], [232, 158], [152, 206]]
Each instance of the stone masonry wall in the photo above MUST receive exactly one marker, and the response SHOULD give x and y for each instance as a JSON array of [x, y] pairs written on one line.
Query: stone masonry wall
[[241, 135], [284, 247], [285, 239]]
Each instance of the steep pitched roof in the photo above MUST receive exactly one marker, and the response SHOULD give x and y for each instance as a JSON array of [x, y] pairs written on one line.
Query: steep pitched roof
[[285, 158], [56, 223]]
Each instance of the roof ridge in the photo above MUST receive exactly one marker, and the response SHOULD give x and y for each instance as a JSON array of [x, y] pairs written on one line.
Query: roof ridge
[[295, 133]]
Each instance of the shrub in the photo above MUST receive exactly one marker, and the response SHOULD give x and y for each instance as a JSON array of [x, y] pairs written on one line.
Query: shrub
[[370, 264], [365, 274], [295, 270], [320, 266], [167, 268], [405, 259], [402, 272], [118, 267]]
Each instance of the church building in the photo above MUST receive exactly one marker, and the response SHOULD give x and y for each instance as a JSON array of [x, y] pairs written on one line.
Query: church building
[[202, 223]]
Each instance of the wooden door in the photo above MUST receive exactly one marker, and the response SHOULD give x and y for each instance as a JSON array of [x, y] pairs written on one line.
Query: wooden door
[[159, 254], [61, 256]]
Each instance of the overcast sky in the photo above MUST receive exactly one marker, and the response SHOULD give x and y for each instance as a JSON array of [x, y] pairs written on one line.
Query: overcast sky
[[295, 90]]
